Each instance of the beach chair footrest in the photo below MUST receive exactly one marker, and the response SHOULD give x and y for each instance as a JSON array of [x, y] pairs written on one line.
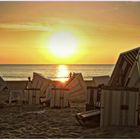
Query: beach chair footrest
[[88, 116]]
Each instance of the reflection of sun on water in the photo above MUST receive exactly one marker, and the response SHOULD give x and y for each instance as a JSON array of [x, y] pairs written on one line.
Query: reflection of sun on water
[[62, 73]]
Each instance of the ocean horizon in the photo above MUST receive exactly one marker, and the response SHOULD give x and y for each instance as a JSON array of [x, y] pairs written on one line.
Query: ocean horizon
[[53, 71]]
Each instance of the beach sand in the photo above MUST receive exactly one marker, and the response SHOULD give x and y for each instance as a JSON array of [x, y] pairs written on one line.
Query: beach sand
[[42, 122], [38, 122]]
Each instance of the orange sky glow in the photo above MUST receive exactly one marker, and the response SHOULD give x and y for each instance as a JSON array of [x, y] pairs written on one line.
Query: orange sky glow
[[101, 29]]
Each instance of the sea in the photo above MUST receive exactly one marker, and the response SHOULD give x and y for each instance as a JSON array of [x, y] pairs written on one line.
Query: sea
[[13, 72]]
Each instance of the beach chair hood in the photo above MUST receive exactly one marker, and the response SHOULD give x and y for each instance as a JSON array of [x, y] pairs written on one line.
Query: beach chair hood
[[127, 69]]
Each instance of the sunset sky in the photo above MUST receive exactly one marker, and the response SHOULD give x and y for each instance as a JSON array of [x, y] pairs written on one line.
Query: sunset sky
[[101, 31]]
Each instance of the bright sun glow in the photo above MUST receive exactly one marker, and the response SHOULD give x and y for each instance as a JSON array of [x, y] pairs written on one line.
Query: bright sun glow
[[62, 44], [62, 73]]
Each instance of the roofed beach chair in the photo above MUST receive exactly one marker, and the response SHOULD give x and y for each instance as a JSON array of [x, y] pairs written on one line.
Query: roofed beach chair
[[93, 103], [94, 92], [4, 94], [121, 99], [36, 91], [16, 92], [3, 84], [32, 92], [127, 69], [99, 80], [77, 87], [73, 90]]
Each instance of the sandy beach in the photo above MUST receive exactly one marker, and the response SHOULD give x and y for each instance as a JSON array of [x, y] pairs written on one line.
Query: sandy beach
[[38, 122], [18, 121]]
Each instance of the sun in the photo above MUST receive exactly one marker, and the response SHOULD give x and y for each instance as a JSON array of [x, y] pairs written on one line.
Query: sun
[[62, 44]]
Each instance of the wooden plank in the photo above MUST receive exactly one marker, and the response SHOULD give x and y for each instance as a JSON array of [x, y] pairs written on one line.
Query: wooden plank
[[133, 109], [66, 99], [118, 103], [115, 72], [30, 97], [26, 92], [37, 97], [133, 77], [136, 108], [121, 88], [129, 59], [52, 99], [88, 96], [127, 107], [60, 89], [106, 108], [134, 55], [121, 103], [131, 56], [45, 85], [57, 99], [114, 104], [40, 82], [88, 114], [92, 87], [77, 86], [131, 113], [124, 65], [62, 98], [123, 111], [102, 108], [22, 97], [33, 97], [95, 96]]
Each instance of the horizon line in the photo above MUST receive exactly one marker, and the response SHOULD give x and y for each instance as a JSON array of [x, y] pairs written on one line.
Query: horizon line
[[59, 64]]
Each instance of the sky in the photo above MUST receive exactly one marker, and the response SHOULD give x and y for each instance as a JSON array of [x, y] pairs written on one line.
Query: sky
[[102, 30]]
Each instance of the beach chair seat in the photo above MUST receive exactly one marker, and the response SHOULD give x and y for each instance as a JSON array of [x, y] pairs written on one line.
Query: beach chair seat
[[83, 117], [44, 101]]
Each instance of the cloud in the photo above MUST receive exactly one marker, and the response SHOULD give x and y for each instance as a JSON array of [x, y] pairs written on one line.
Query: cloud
[[26, 27]]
